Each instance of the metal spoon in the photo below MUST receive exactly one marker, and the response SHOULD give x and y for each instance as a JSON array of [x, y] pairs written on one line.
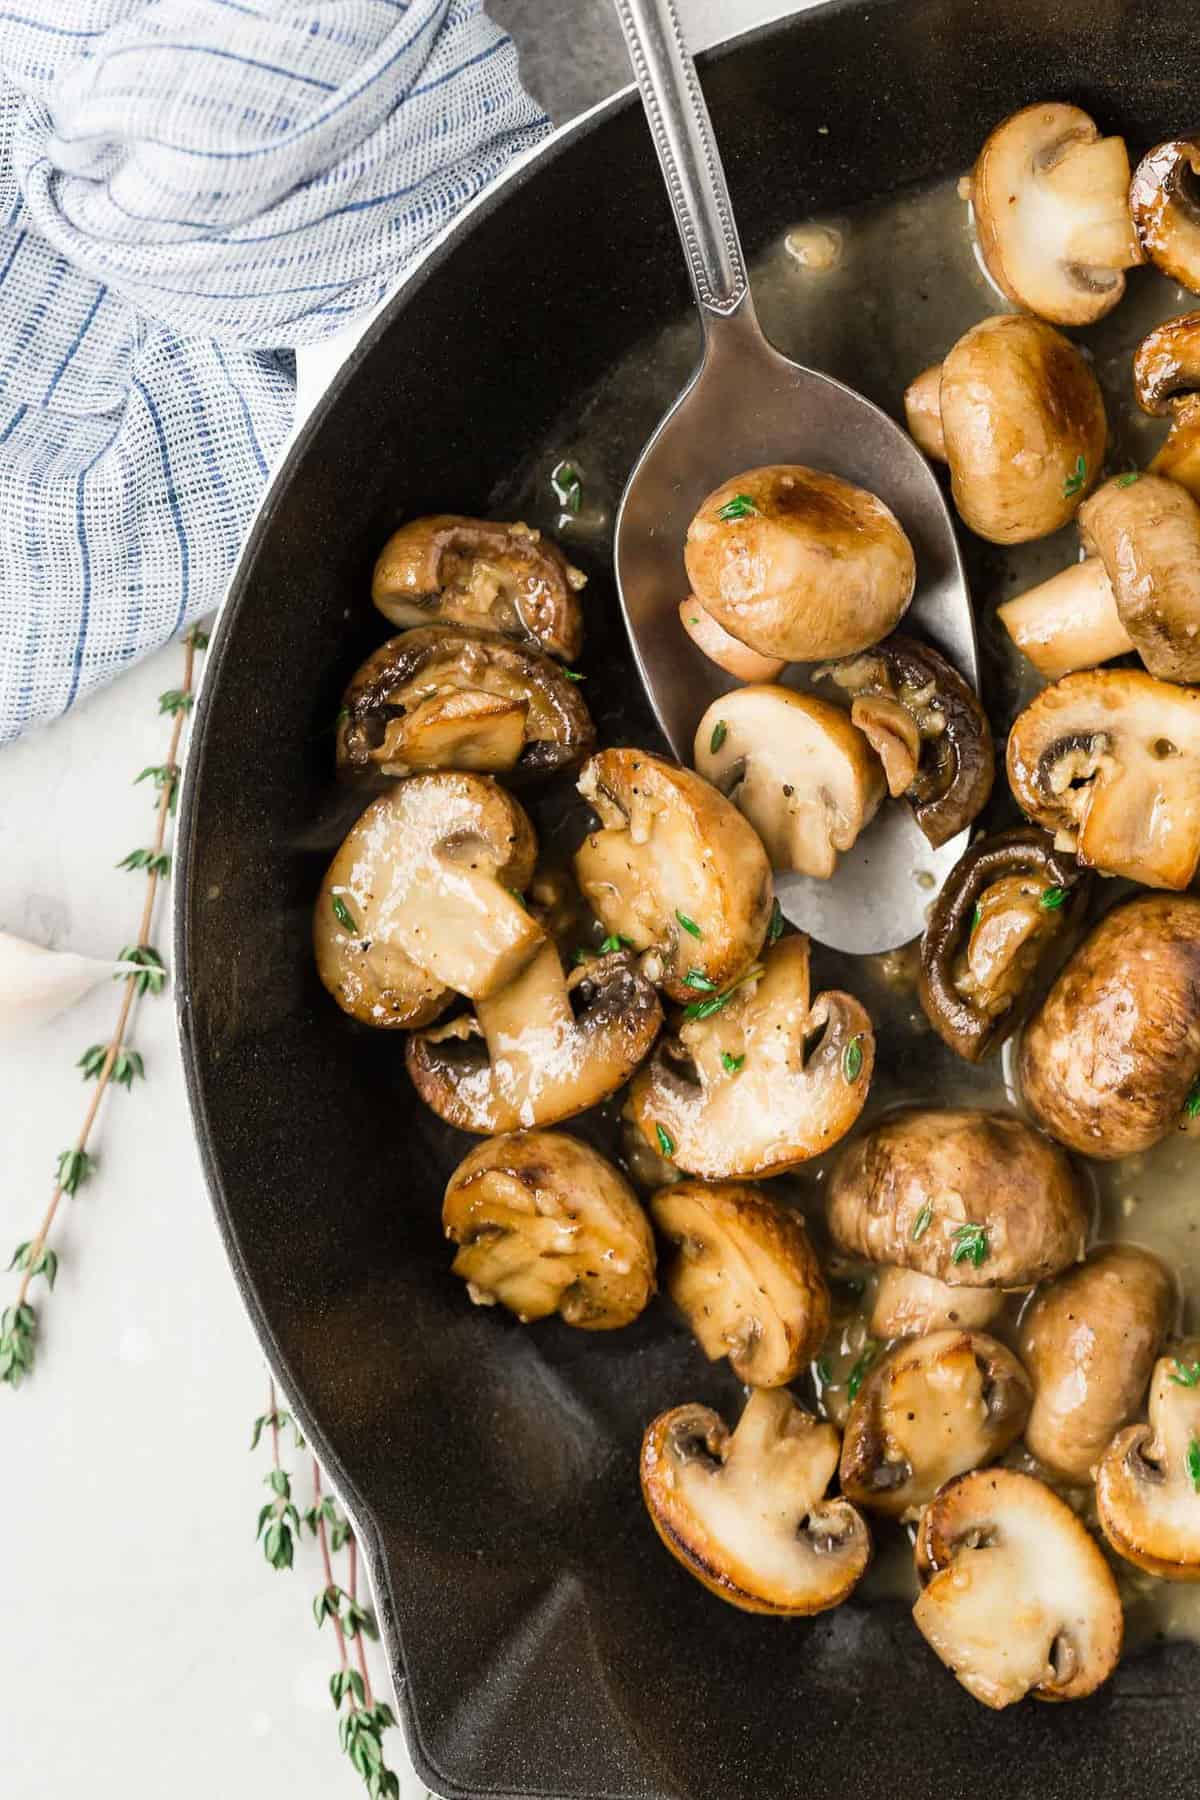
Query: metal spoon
[[746, 405]]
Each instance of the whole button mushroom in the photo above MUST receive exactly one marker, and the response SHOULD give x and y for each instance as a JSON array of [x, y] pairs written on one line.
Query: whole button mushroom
[[909, 1304], [1088, 1341], [1110, 1057], [1022, 423], [1148, 1482], [1163, 202], [1166, 381]]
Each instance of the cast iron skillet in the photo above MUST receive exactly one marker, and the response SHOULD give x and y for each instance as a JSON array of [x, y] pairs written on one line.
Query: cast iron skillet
[[541, 1640]]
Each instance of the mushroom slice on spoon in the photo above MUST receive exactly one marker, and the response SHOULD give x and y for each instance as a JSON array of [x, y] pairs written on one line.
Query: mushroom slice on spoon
[[745, 1511], [1148, 1482], [721, 647], [1164, 199], [1018, 1598], [909, 1304]]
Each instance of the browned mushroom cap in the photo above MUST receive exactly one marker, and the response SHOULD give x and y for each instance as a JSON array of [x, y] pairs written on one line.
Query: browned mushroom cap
[[451, 697], [1051, 204], [721, 647], [1166, 380], [674, 870], [909, 1304], [759, 1078], [1164, 198], [798, 563], [1004, 905], [544, 1225], [1108, 1060], [1089, 1341], [1018, 1598], [932, 1408], [1148, 1482], [746, 1277], [745, 1511], [506, 578], [545, 1048], [974, 1198], [928, 728], [422, 901], [1109, 761]]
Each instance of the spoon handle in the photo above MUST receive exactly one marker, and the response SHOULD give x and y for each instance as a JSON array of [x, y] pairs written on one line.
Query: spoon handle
[[687, 152]]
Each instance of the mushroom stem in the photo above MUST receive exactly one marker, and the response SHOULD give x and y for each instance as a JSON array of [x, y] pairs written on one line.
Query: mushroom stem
[[1069, 622], [527, 1023], [923, 411]]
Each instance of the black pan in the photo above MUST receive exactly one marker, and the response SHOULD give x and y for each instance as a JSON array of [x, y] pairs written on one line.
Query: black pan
[[541, 1640]]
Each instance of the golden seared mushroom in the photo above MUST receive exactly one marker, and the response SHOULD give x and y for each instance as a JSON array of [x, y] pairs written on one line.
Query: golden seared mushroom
[[746, 1278], [976, 1199], [729, 653], [1164, 199], [1005, 904], [505, 578], [745, 1511], [1166, 381], [1148, 1482], [928, 729], [909, 1304], [422, 901], [1051, 203], [1138, 587], [801, 772], [923, 413], [1089, 1341], [799, 564], [760, 1077], [1110, 1057], [451, 697], [1017, 1597], [544, 1224], [1023, 427], [932, 1408], [1109, 761], [674, 870], [544, 1048]]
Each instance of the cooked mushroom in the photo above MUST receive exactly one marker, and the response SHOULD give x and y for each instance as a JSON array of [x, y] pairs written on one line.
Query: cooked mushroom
[[745, 1511], [799, 564], [977, 1199], [1023, 427], [506, 578], [1051, 204], [801, 772], [923, 412], [909, 1304], [1108, 1060], [1166, 380], [720, 647], [932, 1408], [760, 1077], [1164, 199], [1137, 589], [546, 1047], [1004, 905], [544, 1224], [1148, 1482], [422, 901], [928, 728], [1109, 761], [674, 870], [451, 697], [1089, 1341], [746, 1278], [1018, 1598]]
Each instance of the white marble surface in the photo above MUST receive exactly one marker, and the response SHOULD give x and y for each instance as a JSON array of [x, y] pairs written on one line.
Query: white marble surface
[[147, 1648]]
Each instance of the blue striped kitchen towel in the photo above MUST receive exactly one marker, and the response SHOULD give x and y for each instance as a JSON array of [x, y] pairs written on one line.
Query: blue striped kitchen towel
[[188, 190]]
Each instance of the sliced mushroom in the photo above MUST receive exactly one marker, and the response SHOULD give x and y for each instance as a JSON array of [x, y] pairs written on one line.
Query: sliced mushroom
[[746, 1278], [506, 578], [1089, 1341], [799, 564], [422, 901], [909, 1304], [544, 1224], [1109, 761], [674, 870], [759, 1078], [745, 1512], [1110, 1057], [928, 728], [800, 771], [450, 697], [932, 1408], [1004, 906], [543, 1049], [1018, 1599], [1164, 198], [720, 647], [1148, 1482], [977, 1199], [1166, 380], [1051, 204]]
